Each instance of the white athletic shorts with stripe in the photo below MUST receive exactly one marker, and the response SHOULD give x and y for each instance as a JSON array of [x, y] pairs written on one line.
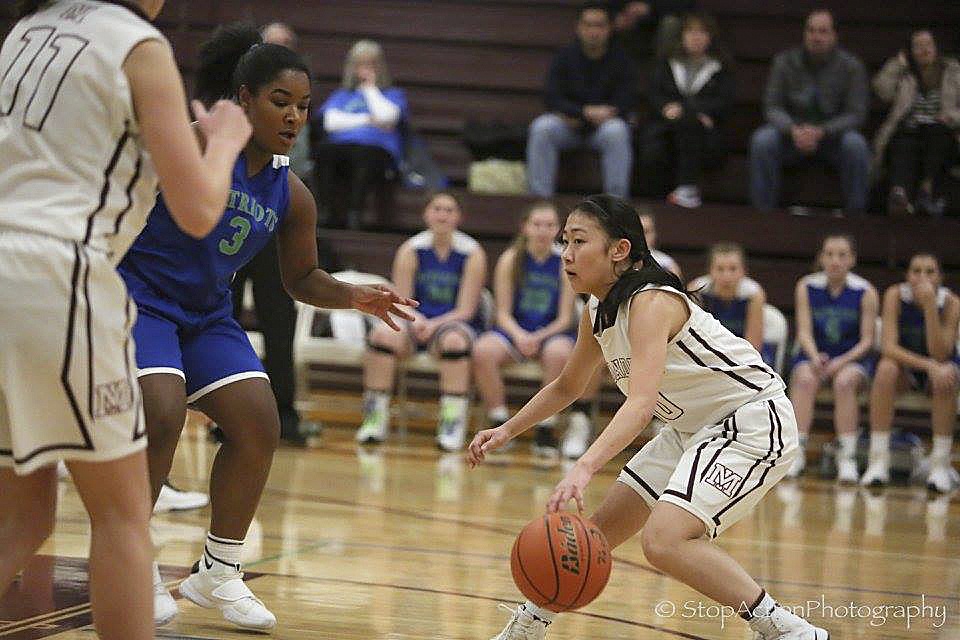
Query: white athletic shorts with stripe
[[720, 472], [68, 387]]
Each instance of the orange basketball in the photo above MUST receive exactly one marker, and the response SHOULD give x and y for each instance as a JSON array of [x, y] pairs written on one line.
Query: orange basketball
[[561, 561]]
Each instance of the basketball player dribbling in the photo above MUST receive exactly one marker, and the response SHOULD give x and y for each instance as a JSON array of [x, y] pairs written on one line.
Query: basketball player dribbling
[[728, 431], [92, 115]]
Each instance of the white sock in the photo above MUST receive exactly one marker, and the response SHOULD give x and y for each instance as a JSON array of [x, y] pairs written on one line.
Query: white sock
[[498, 415], [380, 400], [942, 446], [454, 406], [804, 438], [538, 612], [763, 607], [848, 445], [221, 553], [879, 445], [156, 574]]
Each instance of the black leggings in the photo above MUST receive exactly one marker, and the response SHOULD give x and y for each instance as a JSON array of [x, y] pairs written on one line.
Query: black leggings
[[346, 173], [920, 153], [682, 147]]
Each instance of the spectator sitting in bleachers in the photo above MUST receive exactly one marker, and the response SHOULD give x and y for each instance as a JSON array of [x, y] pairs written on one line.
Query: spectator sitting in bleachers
[[589, 97], [632, 19], [362, 120], [815, 101], [919, 352], [690, 94], [444, 269], [836, 313], [733, 298], [534, 320], [649, 223], [921, 130]]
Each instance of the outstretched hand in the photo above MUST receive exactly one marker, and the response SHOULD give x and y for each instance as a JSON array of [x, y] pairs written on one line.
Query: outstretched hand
[[381, 301], [485, 442]]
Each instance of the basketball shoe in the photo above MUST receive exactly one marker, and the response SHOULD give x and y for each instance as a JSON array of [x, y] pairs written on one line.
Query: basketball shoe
[[174, 499], [164, 606], [578, 436], [214, 585], [777, 623], [522, 626], [376, 419], [878, 471]]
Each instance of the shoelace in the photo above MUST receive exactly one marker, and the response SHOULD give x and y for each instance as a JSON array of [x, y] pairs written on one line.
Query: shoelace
[[509, 633]]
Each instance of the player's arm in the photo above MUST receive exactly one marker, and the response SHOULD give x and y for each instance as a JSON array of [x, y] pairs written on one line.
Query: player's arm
[[195, 185], [805, 324], [654, 317], [889, 333], [869, 304], [753, 329], [503, 293], [302, 276], [941, 332]]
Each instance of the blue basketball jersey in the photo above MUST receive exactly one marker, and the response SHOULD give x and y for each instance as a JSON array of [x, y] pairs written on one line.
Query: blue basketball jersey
[[196, 274], [436, 283], [912, 327], [732, 314], [836, 319], [536, 302]]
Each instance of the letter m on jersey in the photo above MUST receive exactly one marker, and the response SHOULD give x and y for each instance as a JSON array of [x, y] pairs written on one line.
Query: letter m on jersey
[[723, 479]]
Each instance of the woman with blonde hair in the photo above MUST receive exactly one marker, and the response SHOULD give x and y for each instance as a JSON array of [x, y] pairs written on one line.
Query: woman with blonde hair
[[362, 121]]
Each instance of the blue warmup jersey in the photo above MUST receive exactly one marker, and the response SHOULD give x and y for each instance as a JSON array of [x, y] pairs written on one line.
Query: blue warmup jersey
[[181, 285], [436, 284], [732, 314], [836, 319], [912, 326], [536, 303]]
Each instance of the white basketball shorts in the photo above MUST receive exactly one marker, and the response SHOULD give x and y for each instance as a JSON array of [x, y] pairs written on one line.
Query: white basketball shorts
[[68, 387], [720, 472]]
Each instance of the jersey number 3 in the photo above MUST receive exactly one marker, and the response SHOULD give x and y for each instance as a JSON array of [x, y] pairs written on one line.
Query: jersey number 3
[[37, 72], [242, 225]]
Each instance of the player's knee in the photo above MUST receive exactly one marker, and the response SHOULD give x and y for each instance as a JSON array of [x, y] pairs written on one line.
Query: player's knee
[[658, 543], [887, 372], [486, 350], [847, 382], [804, 380], [382, 335], [454, 342], [557, 351]]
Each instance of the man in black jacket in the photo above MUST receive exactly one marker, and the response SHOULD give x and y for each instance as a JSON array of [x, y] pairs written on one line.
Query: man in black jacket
[[589, 95]]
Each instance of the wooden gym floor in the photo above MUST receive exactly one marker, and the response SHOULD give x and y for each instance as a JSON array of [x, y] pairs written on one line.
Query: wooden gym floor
[[400, 542]]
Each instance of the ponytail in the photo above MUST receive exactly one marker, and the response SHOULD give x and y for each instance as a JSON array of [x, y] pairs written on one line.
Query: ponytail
[[236, 56], [619, 219]]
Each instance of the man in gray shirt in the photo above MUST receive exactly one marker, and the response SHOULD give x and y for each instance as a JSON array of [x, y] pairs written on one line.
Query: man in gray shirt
[[815, 101]]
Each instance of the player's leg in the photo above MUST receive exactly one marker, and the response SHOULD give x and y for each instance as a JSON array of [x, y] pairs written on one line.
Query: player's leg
[[846, 417], [27, 510], [888, 379], [491, 351], [384, 347], [803, 391], [116, 494], [725, 470], [225, 379], [943, 390], [452, 345], [554, 355], [165, 412]]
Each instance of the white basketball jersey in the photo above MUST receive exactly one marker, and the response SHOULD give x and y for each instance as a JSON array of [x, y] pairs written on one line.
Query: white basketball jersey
[[709, 372], [71, 162]]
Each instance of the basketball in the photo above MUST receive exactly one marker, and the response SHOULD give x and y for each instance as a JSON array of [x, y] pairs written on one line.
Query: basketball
[[561, 561]]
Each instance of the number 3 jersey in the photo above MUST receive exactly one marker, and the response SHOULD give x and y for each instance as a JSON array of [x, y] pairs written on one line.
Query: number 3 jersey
[[196, 274], [71, 162], [709, 372]]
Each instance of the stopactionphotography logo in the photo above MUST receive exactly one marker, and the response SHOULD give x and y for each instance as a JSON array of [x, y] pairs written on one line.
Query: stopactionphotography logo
[[928, 612]]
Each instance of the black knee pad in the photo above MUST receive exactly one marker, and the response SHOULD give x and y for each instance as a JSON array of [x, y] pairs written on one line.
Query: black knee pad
[[454, 355]]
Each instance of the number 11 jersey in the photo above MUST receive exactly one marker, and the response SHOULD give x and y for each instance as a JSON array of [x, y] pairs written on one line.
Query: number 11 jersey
[[71, 163]]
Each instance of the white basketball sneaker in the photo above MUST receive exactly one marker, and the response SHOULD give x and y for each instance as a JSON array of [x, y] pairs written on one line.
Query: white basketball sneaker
[[577, 438], [522, 626], [796, 467], [781, 624], [877, 473], [164, 606], [221, 587], [173, 499], [847, 471], [942, 477], [376, 423]]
